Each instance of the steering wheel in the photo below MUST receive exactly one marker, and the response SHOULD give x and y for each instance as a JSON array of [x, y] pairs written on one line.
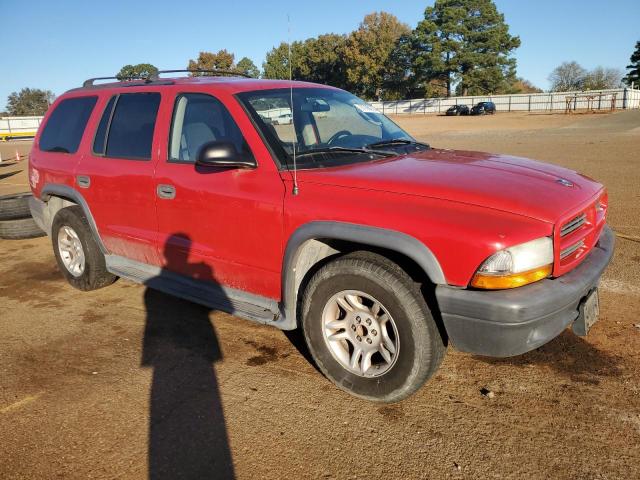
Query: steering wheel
[[338, 135]]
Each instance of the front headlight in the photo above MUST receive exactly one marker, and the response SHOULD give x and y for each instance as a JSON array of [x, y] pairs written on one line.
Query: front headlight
[[516, 266]]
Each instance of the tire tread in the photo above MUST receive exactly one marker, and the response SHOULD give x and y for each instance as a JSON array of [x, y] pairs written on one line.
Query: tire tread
[[406, 290]]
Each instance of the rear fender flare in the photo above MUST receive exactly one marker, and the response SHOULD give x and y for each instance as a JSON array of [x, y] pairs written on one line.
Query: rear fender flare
[[68, 193]]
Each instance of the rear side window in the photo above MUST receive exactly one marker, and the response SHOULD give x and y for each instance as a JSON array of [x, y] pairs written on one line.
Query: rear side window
[[65, 127], [127, 125]]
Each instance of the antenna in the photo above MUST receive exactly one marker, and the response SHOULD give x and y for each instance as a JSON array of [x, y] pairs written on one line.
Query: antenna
[[293, 122]]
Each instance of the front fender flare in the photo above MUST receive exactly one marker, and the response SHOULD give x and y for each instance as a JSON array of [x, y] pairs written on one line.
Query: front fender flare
[[367, 235]]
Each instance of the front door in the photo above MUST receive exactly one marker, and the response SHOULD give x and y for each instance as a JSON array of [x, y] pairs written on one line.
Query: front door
[[228, 219]]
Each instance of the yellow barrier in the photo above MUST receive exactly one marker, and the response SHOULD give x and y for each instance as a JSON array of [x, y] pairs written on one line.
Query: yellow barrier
[[6, 136]]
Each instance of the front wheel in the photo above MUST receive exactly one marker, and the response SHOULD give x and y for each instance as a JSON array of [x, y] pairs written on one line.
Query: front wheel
[[369, 328]]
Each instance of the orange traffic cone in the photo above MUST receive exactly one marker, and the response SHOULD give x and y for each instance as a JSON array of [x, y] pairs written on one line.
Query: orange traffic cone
[[17, 155]]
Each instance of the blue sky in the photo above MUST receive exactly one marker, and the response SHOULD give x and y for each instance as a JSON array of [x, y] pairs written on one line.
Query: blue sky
[[57, 44]]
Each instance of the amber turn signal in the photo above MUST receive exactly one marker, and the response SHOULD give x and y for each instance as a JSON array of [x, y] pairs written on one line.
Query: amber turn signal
[[513, 280]]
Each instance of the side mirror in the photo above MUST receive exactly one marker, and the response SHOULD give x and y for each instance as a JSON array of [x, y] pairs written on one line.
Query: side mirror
[[224, 155], [315, 106]]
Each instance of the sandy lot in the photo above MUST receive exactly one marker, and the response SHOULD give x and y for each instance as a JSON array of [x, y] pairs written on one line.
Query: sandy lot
[[128, 383]]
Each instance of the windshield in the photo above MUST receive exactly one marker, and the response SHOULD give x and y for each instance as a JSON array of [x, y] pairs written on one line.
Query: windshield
[[326, 127]]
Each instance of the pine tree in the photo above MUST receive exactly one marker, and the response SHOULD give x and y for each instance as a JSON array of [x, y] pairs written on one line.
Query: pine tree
[[246, 66], [465, 42], [633, 76]]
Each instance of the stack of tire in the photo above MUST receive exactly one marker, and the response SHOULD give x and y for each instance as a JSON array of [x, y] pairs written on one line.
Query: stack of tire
[[15, 218]]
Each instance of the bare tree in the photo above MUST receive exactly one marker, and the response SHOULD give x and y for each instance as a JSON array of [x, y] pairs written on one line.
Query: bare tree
[[568, 76], [601, 78]]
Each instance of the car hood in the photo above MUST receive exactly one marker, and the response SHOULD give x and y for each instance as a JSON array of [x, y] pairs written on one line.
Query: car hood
[[512, 184]]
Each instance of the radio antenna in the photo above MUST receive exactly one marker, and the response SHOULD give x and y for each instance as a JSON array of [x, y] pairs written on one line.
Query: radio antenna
[[293, 122]]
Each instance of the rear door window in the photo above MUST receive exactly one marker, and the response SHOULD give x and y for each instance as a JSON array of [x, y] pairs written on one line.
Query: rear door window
[[127, 125], [65, 127]]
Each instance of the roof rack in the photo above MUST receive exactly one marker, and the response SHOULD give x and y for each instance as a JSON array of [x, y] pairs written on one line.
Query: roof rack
[[155, 76], [89, 82], [213, 73]]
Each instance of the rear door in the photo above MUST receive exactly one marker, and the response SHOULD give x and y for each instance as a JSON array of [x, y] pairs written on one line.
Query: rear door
[[228, 219], [116, 176]]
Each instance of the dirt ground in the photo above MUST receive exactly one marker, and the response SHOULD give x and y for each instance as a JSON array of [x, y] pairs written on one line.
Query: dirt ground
[[115, 383]]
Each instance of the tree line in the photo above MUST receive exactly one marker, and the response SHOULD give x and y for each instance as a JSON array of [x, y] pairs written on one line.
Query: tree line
[[460, 47]]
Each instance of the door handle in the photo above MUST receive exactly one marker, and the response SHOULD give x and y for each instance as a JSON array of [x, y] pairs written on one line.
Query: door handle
[[83, 181], [168, 192]]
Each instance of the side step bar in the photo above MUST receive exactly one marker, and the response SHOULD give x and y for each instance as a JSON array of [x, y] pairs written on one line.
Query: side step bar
[[210, 294]]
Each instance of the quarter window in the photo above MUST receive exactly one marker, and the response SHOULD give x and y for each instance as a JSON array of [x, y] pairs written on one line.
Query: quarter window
[[198, 119], [65, 127], [127, 125], [100, 142]]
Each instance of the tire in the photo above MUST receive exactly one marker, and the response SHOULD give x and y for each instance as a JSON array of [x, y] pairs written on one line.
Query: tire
[[20, 229], [419, 347], [93, 273], [15, 206]]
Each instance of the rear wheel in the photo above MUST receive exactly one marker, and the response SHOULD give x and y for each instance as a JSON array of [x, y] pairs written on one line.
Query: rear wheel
[[369, 328], [77, 253]]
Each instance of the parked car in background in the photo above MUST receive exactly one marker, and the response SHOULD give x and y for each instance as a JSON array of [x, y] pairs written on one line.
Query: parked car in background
[[457, 110], [380, 248], [484, 108], [284, 119]]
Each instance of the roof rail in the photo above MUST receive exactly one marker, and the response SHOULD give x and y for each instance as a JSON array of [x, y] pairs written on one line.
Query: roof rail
[[155, 76], [214, 73], [89, 82]]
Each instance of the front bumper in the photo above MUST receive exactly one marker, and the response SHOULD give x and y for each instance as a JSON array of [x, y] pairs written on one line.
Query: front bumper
[[504, 323]]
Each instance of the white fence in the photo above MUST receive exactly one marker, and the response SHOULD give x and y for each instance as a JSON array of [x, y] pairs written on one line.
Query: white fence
[[620, 98], [16, 127]]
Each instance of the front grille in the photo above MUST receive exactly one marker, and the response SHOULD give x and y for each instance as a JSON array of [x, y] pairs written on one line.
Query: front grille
[[573, 224], [569, 250], [578, 234]]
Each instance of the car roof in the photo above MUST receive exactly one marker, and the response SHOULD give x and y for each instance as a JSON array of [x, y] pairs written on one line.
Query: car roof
[[230, 84]]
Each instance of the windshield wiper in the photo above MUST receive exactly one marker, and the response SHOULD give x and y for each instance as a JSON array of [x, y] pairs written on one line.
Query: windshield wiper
[[397, 141], [346, 150]]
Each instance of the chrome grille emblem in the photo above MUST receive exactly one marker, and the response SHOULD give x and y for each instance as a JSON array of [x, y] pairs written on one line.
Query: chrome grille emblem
[[565, 182]]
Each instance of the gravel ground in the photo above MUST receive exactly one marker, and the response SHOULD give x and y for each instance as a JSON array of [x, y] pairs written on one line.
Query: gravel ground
[[127, 383]]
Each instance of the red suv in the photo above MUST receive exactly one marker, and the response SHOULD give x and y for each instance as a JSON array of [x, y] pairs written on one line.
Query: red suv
[[337, 221]]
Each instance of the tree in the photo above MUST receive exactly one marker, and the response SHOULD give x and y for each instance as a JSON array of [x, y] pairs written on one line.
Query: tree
[[222, 60], [601, 78], [633, 75], [523, 86], [464, 41], [276, 63], [567, 77], [367, 51], [141, 70], [322, 60], [29, 102], [315, 60], [246, 66]]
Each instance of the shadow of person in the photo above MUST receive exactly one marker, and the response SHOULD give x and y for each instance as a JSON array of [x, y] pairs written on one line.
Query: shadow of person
[[187, 433]]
